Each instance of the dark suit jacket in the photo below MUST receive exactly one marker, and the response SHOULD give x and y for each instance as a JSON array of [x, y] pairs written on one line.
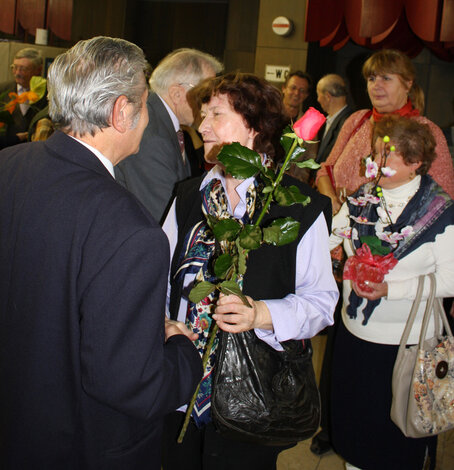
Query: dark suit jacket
[[152, 173], [85, 374], [20, 122], [329, 140]]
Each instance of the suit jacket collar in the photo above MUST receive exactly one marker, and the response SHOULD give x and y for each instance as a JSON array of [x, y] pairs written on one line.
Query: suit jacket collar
[[327, 138], [155, 102], [73, 151]]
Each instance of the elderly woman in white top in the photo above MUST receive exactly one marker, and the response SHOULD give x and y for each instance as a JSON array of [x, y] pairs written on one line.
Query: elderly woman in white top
[[409, 214]]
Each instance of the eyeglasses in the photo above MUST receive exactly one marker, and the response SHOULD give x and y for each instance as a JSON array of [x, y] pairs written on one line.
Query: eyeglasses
[[190, 85], [20, 68], [299, 90]]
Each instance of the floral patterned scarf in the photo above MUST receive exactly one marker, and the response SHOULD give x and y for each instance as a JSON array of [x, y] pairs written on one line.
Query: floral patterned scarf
[[198, 249]]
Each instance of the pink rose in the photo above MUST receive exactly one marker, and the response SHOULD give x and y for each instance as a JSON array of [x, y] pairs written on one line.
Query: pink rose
[[307, 126]]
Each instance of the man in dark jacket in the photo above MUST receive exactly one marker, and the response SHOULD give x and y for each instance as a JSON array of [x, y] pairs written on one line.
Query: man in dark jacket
[[27, 63], [88, 364], [162, 161], [332, 96]]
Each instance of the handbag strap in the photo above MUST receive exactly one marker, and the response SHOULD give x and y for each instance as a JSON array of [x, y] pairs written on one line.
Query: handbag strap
[[433, 305], [411, 317], [431, 302]]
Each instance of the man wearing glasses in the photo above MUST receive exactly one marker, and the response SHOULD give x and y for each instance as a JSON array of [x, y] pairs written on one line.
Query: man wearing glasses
[[27, 63], [294, 91]]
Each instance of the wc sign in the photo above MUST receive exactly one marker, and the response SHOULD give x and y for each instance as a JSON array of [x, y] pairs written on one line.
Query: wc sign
[[277, 73]]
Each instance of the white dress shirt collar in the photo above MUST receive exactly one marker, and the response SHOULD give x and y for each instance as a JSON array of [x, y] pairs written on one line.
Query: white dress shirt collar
[[173, 117], [104, 160], [330, 119]]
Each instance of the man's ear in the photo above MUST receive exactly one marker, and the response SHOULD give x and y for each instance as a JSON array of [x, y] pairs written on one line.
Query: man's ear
[[120, 114], [176, 93]]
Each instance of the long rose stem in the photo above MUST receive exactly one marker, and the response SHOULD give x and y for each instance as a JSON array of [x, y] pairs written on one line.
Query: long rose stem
[[206, 356], [276, 182]]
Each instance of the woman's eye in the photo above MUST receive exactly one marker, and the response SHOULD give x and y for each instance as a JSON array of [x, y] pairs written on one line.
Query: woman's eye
[[371, 78]]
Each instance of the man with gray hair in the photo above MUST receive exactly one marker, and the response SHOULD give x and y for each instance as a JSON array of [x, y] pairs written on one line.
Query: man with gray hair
[[89, 364], [27, 63], [152, 173], [332, 96]]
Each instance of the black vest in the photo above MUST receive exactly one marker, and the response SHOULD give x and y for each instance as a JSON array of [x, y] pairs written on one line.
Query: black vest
[[270, 269]]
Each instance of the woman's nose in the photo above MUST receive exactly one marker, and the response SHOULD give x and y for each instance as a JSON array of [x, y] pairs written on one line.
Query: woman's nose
[[203, 125]]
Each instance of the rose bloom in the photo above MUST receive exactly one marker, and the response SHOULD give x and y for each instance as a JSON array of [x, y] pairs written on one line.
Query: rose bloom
[[307, 126]]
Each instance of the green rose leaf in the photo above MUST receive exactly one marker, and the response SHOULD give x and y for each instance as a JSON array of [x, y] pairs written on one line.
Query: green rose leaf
[[223, 265], [232, 288], [200, 291], [375, 245], [212, 220], [286, 196], [297, 153], [250, 237], [269, 174], [281, 231], [242, 262], [226, 229], [239, 161], [311, 163], [267, 189], [287, 138]]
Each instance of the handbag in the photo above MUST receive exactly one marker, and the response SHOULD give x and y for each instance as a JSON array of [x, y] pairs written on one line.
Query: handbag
[[262, 395], [423, 375]]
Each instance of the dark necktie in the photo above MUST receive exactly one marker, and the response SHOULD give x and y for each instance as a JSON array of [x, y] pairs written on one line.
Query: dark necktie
[[180, 136]]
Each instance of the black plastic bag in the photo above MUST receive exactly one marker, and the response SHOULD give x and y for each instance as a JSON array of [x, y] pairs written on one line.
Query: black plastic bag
[[263, 395]]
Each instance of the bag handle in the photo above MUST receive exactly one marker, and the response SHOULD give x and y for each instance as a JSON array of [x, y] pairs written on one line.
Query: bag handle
[[438, 312], [411, 318]]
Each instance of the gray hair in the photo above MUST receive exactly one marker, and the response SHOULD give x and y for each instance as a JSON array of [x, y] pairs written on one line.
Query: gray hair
[[32, 54], [183, 66], [85, 82], [334, 85]]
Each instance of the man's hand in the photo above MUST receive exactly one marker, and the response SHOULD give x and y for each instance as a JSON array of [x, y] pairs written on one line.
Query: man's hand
[[173, 327]]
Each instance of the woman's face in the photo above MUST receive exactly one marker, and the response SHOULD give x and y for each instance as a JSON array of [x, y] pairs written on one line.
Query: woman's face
[[222, 125], [403, 172], [388, 92]]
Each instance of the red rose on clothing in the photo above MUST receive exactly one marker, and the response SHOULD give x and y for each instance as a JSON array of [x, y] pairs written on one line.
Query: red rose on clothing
[[364, 266], [307, 126]]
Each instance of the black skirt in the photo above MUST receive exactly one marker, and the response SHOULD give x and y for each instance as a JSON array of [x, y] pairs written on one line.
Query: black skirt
[[362, 430]]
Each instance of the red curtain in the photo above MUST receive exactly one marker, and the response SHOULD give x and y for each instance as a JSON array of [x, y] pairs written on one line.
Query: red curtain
[[27, 15], [31, 14], [8, 16], [408, 25], [59, 17]]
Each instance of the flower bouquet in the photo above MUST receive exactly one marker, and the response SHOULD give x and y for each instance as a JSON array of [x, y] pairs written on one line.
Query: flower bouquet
[[364, 266], [9, 101]]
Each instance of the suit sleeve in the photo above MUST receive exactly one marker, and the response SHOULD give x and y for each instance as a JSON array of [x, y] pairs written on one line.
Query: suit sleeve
[[125, 360]]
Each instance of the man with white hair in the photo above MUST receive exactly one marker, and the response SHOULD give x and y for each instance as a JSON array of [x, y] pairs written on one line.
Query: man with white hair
[[152, 173], [89, 365], [27, 63]]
